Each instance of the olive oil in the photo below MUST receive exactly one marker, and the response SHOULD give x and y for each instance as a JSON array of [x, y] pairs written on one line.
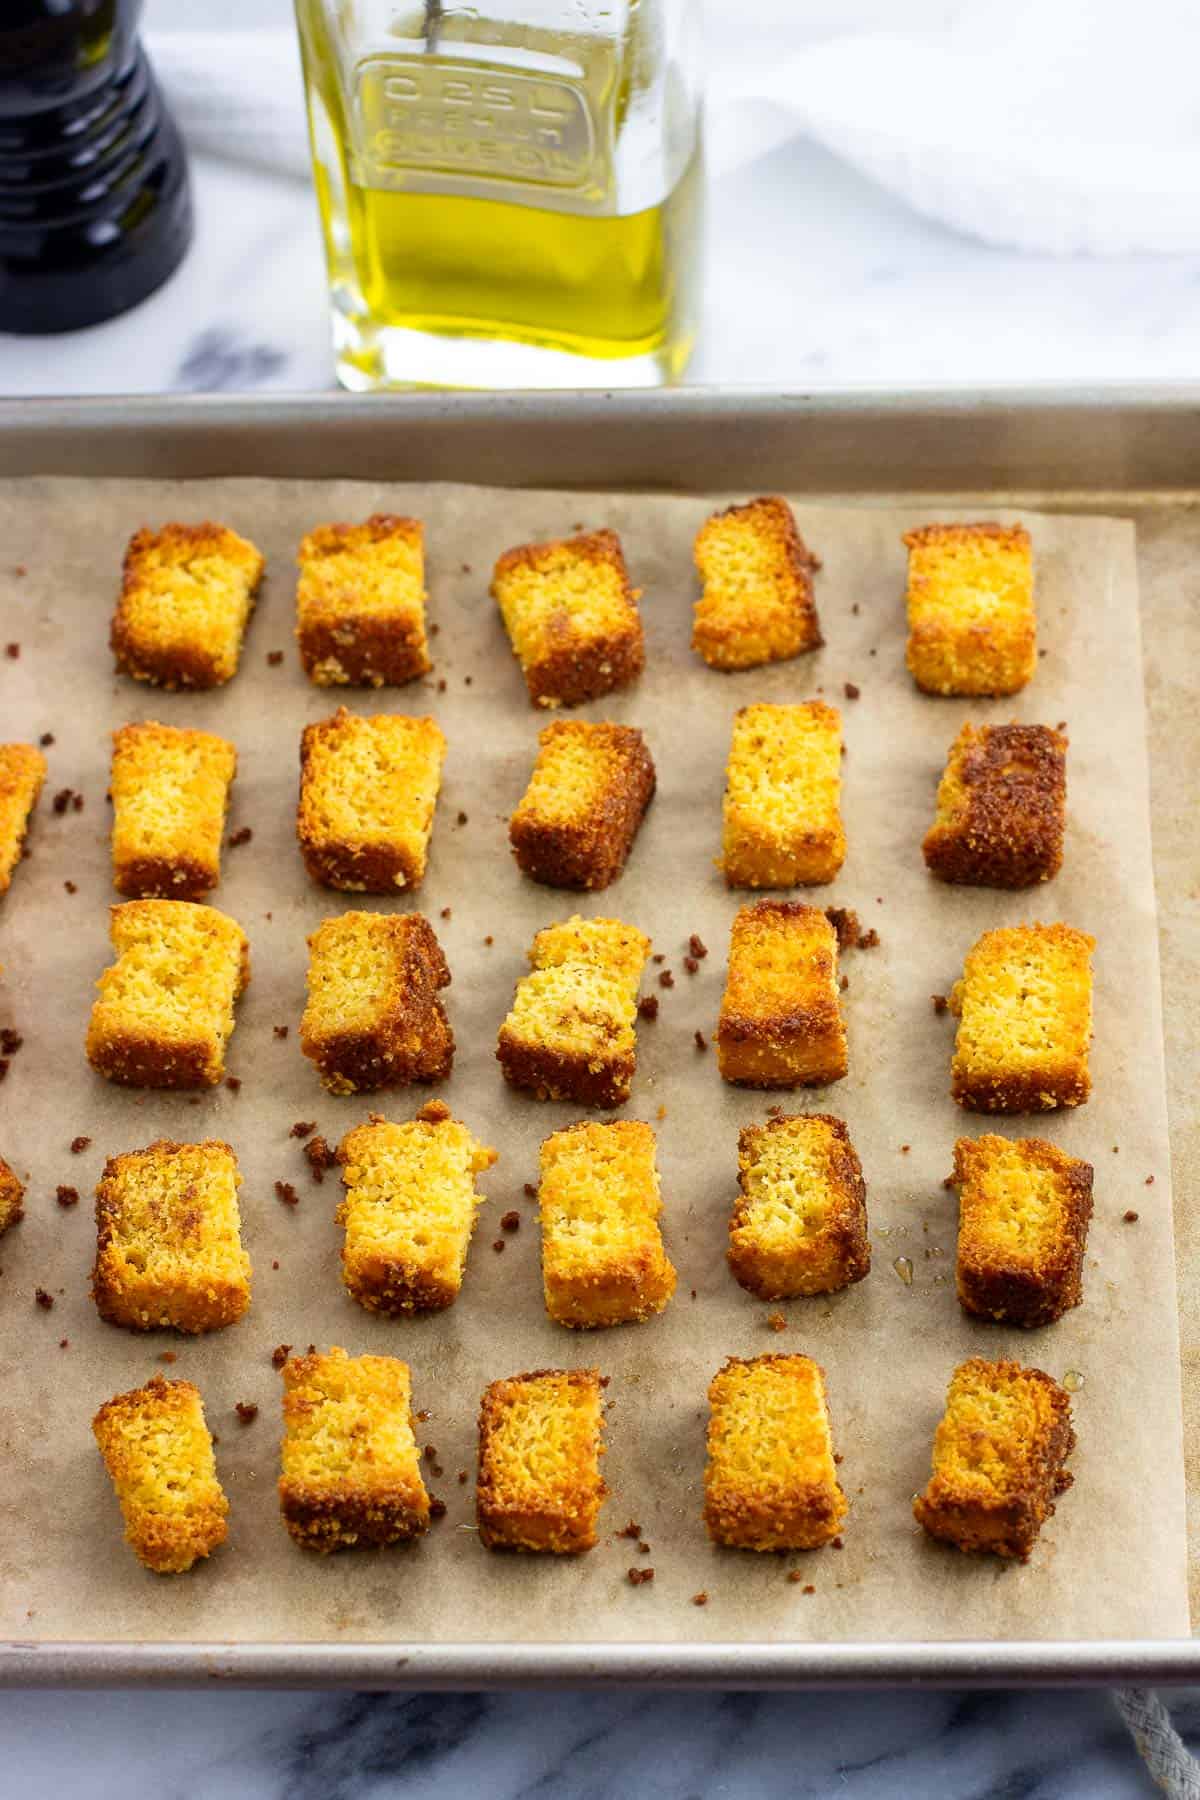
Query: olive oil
[[500, 207]]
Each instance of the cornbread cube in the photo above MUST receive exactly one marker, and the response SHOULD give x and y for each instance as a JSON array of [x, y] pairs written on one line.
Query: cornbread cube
[[587, 796], [540, 1444], [770, 1482], [1001, 807], [186, 595], [1024, 1010], [360, 603], [998, 1457], [12, 1194], [571, 616], [603, 1261], [170, 791], [800, 1222], [972, 628], [351, 1470], [757, 600], [780, 1024], [168, 1239], [165, 1012], [1024, 1208], [22, 772], [570, 1034], [782, 786], [373, 1017], [409, 1209], [368, 789], [158, 1451]]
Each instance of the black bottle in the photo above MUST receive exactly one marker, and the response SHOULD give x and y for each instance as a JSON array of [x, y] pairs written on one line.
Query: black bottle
[[95, 209]]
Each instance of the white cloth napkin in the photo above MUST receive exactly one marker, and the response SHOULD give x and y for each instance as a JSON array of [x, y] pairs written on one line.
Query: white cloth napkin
[[1050, 125]]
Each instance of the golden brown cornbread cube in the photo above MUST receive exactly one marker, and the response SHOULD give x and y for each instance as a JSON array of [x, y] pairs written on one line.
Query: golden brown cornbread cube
[[186, 594], [22, 772], [12, 1194], [603, 1261], [373, 1018], [590, 787], [757, 600], [165, 1011], [1001, 807], [780, 1024], [169, 1238], [170, 791], [360, 603], [159, 1455], [800, 1222], [571, 616], [783, 782], [771, 1482], [972, 627], [351, 1470], [540, 1444], [998, 1457], [570, 1034], [368, 789], [1024, 1208], [1024, 1009], [409, 1209]]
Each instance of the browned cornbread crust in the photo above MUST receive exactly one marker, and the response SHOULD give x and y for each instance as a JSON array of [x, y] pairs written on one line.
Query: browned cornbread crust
[[1024, 1007], [572, 617], [360, 603], [350, 1467], [12, 1193], [570, 1033], [540, 1444], [972, 626], [757, 601], [170, 791], [587, 796], [799, 1225], [998, 1457], [22, 772], [1001, 807], [770, 1482], [1024, 1209], [780, 1024], [368, 791], [158, 1451], [186, 594], [373, 1017]]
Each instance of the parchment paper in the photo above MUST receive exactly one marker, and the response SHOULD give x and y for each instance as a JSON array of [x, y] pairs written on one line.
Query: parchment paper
[[1112, 1561]]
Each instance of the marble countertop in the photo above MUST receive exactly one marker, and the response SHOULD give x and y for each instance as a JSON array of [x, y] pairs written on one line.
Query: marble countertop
[[855, 290]]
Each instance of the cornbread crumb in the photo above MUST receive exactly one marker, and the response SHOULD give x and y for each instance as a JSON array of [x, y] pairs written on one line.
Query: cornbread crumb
[[170, 792], [998, 1457], [603, 1261], [66, 1196], [159, 1455], [570, 1033], [575, 824], [165, 1008], [1001, 807], [368, 790], [12, 1195], [571, 616], [540, 1444], [43, 1299], [757, 600], [360, 603], [800, 1222], [780, 1023], [770, 1481], [373, 1017], [972, 628], [782, 826], [22, 772], [1024, 1006], [1024, 1208], [187, 592], [351, 1471]]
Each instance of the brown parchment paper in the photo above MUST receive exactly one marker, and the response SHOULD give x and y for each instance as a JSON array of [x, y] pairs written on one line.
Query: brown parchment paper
[[1112, 1561]]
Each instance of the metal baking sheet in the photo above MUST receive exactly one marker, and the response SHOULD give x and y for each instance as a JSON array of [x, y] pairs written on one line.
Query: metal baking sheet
[[681, 440]]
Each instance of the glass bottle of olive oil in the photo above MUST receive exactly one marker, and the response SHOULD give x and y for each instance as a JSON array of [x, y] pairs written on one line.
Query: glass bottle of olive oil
[[510, 194]]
